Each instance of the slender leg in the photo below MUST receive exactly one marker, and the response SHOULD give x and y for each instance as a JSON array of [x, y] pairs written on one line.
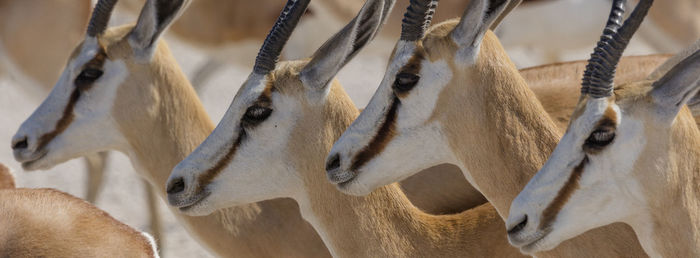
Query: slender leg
[[96, 164], [152, 202]]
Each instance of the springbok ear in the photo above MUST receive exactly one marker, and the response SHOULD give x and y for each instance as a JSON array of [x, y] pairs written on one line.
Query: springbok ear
[[679, 85], [155, 17], [479, 16], [511, 5], [344, 45], [673, 61]]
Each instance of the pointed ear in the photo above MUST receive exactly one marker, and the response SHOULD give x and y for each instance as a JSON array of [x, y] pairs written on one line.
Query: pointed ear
[[679, 85], [477, 19], [344, 45], [506, 11], [673, 61], [155, 17]]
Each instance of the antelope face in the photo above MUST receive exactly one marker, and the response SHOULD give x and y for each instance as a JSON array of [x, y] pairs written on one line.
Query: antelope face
[[245, 159], [379, 148], [586, 181], [74, 119], [274, 136], [608, 166]]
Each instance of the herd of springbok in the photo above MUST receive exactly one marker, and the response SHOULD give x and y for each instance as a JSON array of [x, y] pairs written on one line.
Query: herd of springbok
[[458, 153]]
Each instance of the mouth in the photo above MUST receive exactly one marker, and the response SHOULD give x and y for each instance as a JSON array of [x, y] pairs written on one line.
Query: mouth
[[534, 245], [341, 178], [30, 163], [192, 202]]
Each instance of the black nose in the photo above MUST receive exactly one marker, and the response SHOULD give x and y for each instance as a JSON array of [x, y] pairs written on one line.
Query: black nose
[[517, 228], [176, 186], [333, 163], [21, 144]]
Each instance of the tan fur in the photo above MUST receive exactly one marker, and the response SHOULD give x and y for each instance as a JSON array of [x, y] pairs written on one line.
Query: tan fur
[[7, 180], [383, 224], [50, 223], [495, 125], [157, 98]]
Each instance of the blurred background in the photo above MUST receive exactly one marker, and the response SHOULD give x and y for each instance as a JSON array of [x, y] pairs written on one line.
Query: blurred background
[[215, 43]]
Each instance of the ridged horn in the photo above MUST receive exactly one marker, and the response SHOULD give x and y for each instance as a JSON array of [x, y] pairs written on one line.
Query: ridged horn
[[417, 19], [278, 36], [600, 71], [100, 17]]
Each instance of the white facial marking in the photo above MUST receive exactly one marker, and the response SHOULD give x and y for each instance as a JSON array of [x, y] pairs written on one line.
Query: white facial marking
[[92, 128], [413, 128], [606, 191], [261, 167]]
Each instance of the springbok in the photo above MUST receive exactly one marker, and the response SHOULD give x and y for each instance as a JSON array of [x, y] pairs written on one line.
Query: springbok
[[122, 90], [272, 141], [630, 155], [50, 223], [453, 96], [25, 26]]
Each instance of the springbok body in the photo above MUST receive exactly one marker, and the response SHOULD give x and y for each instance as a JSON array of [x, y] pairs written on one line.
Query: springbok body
[[50, 223], [122, 82], [453, 96], [630, 155]]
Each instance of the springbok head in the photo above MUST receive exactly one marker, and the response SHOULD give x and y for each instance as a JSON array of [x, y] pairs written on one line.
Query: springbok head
[[109, 75], [282, 119], [399, 133], [621, 144]]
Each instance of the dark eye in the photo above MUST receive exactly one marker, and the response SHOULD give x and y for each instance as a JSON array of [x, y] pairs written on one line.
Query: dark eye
[[405, 82], [256, 114], [599, 139], [87, 76]]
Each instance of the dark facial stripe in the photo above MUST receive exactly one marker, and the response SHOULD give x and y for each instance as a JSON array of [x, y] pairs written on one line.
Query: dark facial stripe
[[551, 212], [265, 99], [205, 178], [385, 133], [97, 62]]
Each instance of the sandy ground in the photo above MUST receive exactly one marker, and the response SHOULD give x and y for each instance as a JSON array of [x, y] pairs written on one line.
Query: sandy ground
[[122, 195]]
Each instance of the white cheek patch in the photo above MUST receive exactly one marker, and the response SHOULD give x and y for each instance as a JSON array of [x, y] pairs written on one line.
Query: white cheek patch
[[263, 167], [420, 103]]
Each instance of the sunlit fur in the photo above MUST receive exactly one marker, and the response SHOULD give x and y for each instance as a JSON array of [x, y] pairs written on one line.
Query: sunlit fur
[[50, 223], [284, 156], [483, 119], [149, 111], [646, 177]]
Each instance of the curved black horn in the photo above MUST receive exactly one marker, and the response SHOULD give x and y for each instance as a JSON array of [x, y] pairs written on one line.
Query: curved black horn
[[278, 36], [100, 17], [600, 71], [417, 19]]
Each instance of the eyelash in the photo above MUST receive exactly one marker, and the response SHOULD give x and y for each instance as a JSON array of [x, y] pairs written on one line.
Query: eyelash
[[254, 115]]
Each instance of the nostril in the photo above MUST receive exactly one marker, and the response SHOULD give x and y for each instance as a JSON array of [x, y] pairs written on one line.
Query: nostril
[[333, 163], [517, 228], [176, 186], [20, 144]]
